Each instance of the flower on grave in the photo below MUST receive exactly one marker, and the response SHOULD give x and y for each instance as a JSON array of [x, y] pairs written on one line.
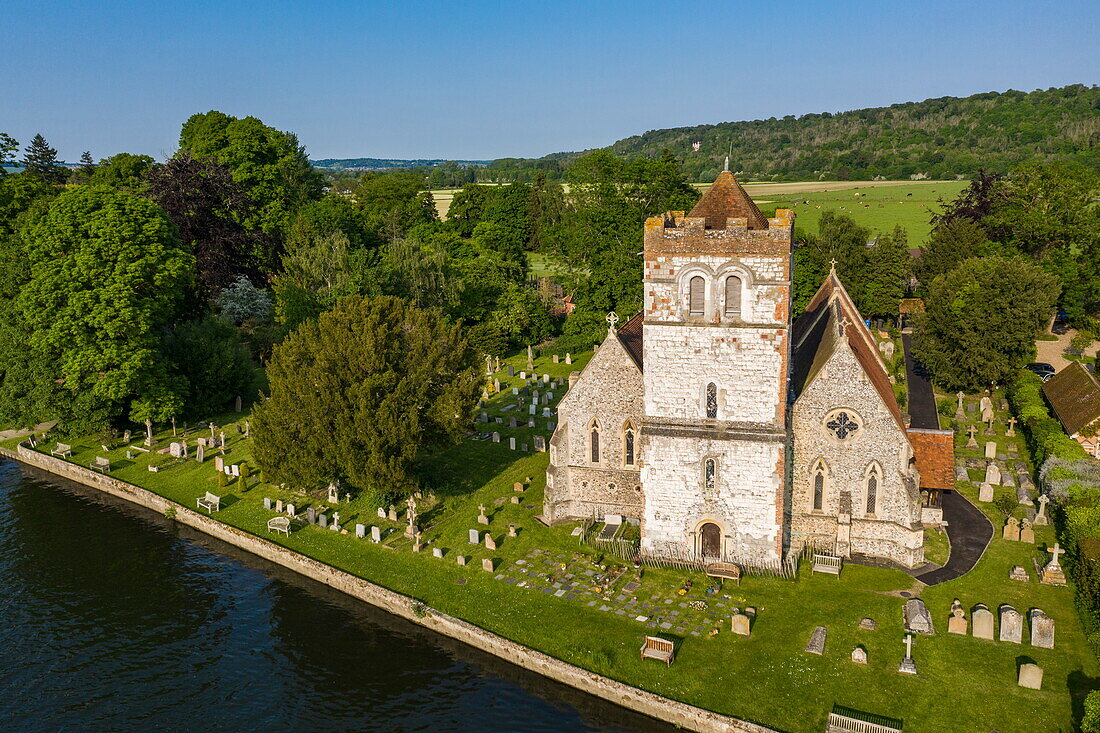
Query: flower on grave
[[682, 591]]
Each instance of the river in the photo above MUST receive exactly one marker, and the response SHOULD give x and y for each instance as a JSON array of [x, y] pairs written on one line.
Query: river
[[113, 618]]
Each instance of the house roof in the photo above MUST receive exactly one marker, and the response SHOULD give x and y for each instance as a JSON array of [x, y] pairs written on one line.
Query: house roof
[[630, 334], [831, 318], [725, 199], [1075, 396], [935, 454]]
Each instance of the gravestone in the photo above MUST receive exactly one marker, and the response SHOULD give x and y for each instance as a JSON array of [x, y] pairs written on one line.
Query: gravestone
[[1042, 629], [1018, 573], [540, 443], [515, 500], [568, 358], [739, 624], [555, 358], [475, 537], [175, 450], [517, 486], [1012, 625], [1030, 676], [1011, 530], [957, 624], [311, 515], [322, 520], [530, 422], [971, 431], [490, 543], [267, 503], [437, 552], [461, 560], [496, 435], [219, 464], [992, 474], [487, 564], [985, 403], [961, 474], [1011, 432], [392, 513], [916, 616], [550, 424], [279, 505], [1052, 573], [888, 349], [908, 666], [1041, 519], [381, 513], [511, 422], [483, 416], [126, 436], [360, 531], [867, 624], [375, 534], [534, 409], [511, 371], [859, 655], [982, 618], [816, 645], [960, 413], [1027, 534], [291, 511], [990, 450], [985, 492]]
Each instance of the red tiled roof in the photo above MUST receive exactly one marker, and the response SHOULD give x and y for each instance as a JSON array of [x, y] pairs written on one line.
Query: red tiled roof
[[935, 454], [630, 334], [725, 199]]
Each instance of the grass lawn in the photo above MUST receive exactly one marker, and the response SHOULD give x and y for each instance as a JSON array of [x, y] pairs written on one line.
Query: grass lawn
[[554, 594]]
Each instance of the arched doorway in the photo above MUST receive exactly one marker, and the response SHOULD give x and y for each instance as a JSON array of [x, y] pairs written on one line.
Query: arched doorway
[[710, 540]]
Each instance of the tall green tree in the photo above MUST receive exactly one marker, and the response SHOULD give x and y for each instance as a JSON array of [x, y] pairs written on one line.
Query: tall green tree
[[107, 275], [393, 203], [357, 394], [40, 161], [210, 358], [8, 147], [122, 170], [980, 321], [952, 241]]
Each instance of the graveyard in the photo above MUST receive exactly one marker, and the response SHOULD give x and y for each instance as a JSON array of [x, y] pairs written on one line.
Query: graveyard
[[779, 651]]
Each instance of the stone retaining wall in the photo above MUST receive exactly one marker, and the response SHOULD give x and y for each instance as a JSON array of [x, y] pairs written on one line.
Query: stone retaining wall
[[619, 693]]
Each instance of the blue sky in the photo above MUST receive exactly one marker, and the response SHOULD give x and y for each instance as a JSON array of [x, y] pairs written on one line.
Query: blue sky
[[481, 79]]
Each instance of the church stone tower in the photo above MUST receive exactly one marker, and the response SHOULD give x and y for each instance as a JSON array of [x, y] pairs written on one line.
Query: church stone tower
[[716, 351]]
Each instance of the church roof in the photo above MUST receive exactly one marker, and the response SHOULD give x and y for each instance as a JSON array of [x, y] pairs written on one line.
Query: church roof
[[935, 454], [725, 199], [630, 334], [1075, 396], [831, 318]]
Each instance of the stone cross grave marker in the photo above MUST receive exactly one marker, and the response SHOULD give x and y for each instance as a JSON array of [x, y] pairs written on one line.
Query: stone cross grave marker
[[908, 666], [971, 431], [1041, 517], [1011, 432], [1052, 574], [1012, 625], [960, 413], [481, 517]]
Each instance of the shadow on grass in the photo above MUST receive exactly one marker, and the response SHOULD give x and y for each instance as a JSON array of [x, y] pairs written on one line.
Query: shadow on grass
[[1080, 685]]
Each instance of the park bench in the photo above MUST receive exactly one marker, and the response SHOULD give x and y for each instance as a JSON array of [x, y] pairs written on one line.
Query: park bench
[[101, 464], [210, 502], [724, 571], [62, 450], [279, 524], [657, 648], [827, 564]]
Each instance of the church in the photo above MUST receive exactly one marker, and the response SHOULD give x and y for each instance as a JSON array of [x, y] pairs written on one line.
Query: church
[[727, 431]]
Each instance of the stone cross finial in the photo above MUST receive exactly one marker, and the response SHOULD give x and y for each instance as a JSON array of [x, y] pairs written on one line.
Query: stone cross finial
[[612, 319], [908, 645], [1055, 552], [726, 166], [832, 266]]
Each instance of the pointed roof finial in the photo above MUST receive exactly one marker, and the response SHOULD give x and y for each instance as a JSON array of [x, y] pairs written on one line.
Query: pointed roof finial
[[612, 319], [832, 266], [726, 167]]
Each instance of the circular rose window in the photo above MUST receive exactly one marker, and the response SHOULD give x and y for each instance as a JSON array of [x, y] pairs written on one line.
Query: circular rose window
[[843, 425]]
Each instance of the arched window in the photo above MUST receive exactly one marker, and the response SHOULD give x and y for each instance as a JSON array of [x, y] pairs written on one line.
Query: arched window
[[595, 442], [733, 296], [712, 400], [697, 296], [819, 487], [628, 445], [708, 473], [872, 489]]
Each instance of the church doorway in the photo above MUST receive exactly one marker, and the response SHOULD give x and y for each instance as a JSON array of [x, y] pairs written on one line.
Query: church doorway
[[710, 540]]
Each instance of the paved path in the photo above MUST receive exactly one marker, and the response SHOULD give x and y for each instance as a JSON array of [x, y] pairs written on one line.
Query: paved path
[[1054, 352], [969, 532], [922, 400], [5, 434]]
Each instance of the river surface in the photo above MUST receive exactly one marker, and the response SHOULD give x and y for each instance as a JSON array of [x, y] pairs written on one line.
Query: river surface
[[113, 618]]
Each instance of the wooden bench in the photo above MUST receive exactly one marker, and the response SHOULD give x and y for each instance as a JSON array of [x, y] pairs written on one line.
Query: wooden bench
[[657, 648], [62, 450], [101, 464], [827, 564], [279, 524], [724, 570], [210, 502]]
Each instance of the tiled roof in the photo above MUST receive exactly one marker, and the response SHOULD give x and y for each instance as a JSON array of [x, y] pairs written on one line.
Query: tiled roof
[[1075, 397], [630, 334], [725, 199], [935, 454], [816, 334]]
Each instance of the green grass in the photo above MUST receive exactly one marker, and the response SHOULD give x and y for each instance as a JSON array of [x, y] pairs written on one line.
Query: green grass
[[937, 548], [767, 678], [879, 209]]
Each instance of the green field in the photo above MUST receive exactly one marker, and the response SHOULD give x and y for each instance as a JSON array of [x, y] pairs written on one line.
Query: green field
[[767, 678]]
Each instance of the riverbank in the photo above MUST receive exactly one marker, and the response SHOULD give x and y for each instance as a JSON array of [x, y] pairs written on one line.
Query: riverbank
[[400, 605]]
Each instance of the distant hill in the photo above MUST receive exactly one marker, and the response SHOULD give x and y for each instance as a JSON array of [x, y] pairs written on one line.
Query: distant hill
[[378, 164], [939, 138]]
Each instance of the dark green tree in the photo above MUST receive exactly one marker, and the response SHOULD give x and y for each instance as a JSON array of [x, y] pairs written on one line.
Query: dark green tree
[[952, 241], [358, 393], [8, 147], [209, 356], [122, 170], [980, 321], [40, 161]]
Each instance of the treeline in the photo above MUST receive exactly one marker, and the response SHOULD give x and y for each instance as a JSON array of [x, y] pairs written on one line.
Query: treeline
[[943, 138]]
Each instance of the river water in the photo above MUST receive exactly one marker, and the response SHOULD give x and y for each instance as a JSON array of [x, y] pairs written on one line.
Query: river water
[[114, 618]]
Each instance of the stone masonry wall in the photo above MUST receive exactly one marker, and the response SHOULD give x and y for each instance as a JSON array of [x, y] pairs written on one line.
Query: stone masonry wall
[[894, 531]]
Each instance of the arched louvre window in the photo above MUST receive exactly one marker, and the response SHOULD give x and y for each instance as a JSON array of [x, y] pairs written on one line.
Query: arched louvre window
[[872, 489], [733, 296], [708, 473], [595, 442], [712, 400], [819, 488], [697, 296], [628, 445]]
